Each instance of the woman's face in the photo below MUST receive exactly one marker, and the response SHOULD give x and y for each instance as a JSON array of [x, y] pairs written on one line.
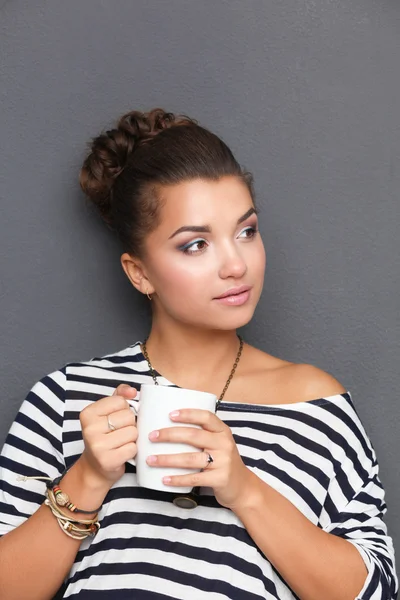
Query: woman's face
[[189, 269]]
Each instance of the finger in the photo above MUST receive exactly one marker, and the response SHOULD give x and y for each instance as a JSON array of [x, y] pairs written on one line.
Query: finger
[[125, 390], [110, 404], [207, 419], [101, 408], [123, 436], [113, 458], [185, 460], [124, 453], [185, 435], [202, 479], [128, 392], [119, 419]]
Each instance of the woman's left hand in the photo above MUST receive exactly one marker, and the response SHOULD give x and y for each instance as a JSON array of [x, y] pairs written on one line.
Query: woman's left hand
[[227, 473]]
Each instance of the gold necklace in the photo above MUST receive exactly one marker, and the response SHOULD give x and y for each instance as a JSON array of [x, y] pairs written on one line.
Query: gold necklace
[[145, 354]]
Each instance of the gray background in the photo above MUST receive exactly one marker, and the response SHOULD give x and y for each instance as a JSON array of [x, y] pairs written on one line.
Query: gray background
[[306, 93]]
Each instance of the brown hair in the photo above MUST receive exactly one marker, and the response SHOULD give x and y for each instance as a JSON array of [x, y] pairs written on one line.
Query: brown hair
[[127, 166]]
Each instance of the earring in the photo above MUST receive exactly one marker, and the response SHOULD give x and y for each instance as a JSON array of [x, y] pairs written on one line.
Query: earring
[[148, 295]]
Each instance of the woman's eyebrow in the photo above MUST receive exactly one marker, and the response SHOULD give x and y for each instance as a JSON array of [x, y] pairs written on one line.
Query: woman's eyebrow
[[207, 228]]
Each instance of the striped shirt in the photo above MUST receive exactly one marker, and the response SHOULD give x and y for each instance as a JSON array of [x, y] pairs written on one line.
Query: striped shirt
[[316, 454]]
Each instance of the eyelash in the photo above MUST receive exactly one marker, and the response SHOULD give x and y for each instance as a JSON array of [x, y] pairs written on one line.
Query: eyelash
[[186, 249]]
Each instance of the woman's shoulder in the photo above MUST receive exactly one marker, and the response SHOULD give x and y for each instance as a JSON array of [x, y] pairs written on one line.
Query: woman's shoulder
[[313, 382], [128, 354], [288, 382], [104, 371]]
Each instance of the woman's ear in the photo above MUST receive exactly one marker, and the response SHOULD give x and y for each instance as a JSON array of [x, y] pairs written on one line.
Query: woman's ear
[[135, 272]]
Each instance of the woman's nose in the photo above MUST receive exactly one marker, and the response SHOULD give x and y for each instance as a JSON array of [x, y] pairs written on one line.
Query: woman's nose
[[232, 265]]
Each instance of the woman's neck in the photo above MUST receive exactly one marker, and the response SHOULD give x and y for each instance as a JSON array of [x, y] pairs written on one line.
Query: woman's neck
[[191, 357]]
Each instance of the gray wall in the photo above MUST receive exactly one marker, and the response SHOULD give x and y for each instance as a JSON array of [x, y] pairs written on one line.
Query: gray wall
[[306, 93]]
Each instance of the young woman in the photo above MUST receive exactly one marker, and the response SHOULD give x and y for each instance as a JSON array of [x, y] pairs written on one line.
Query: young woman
[[289, 503]]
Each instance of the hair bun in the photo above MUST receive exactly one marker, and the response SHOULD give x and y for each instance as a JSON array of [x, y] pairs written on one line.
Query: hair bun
[[112, 150], [144, 126]]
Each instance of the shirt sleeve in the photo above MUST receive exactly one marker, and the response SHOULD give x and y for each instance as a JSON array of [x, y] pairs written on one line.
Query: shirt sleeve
[[33, 448], [355, 509]]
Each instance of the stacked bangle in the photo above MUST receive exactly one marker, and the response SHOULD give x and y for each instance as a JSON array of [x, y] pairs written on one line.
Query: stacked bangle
[[63, 499], [55, 498], [70, 526]]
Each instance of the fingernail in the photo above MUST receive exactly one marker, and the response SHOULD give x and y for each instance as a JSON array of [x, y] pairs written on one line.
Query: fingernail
[[167, 479], [154, 435], [174, 413], [151, 459]]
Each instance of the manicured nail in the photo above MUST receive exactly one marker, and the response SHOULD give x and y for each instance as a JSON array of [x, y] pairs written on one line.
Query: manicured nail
[[154, 435], [174, 413], [151, 459], [167, 479]]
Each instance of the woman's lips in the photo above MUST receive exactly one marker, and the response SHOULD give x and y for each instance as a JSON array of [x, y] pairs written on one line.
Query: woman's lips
[[235, 299], [234, 291]]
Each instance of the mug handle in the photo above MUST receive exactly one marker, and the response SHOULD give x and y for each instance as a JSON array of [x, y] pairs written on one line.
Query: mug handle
[[135, 406]]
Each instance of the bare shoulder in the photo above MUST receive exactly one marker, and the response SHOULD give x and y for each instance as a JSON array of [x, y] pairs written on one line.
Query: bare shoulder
[[285, 382], [314, 382]]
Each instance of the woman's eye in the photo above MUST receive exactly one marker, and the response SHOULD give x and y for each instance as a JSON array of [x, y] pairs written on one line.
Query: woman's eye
[[251, 230], [191, 248]]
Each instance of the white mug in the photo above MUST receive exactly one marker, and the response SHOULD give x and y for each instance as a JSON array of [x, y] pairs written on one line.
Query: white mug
[[154, 404]]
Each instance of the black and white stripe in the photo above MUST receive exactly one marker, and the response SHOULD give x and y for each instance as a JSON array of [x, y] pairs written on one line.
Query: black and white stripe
[[317, 454]]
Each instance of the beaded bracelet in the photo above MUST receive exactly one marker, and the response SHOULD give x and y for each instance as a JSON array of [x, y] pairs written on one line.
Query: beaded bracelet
[[68, 525], [62, 498], [75, 532], [51, 502]]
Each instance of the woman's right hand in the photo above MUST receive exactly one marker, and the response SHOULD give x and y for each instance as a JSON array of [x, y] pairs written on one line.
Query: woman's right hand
[[106, 451]]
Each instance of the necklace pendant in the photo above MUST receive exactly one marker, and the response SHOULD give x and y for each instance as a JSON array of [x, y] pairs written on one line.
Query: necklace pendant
[[188, 502]]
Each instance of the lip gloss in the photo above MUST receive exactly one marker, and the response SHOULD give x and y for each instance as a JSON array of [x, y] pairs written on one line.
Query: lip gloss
[[235, 300]]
